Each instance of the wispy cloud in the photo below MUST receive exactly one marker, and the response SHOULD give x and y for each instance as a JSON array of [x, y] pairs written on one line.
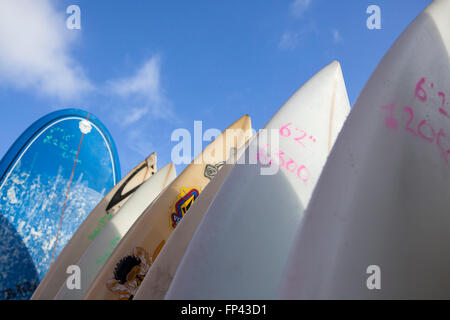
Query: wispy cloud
[[139, 141], [144, 82], [298, 7], [336, 36], [36, 54], [142, 92], [35, 50], [134, 115], [289, 40], [292, 39]]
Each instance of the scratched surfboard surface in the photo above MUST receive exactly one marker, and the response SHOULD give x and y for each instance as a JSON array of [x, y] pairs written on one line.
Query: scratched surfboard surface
[[50, 179]]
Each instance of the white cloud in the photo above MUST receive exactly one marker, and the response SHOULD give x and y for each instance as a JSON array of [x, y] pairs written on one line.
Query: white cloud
[[134, 115], [145, 82], [298, 7], [289, 40], [292, 39], [336, 36], [143, 89], [139, 142], [35, 50]]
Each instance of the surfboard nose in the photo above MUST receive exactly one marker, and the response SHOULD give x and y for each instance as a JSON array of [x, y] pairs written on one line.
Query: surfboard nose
[[243, 122]]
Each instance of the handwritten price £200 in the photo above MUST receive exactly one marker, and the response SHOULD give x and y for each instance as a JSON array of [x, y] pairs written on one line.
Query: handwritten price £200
[[424, 129]]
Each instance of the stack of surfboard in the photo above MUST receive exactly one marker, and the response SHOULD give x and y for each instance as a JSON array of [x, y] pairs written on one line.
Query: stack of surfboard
[[127, 266], [319, 208], [244, 238], [130, 258], [111, 251], [378, 225], [93, 225]]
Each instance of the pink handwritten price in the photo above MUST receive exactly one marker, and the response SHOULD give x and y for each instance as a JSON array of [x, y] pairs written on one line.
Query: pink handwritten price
[[298, 135], [424, 129], [422, 95], [300, 170]]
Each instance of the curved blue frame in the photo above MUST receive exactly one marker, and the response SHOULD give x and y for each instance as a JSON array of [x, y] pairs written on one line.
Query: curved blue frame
[[15, 150]]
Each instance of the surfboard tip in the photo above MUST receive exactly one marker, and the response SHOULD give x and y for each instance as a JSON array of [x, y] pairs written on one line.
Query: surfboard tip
[[244, 121], [336, 64], [151, 156]]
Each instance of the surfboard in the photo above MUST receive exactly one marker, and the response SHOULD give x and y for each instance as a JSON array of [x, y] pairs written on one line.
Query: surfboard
[[241, 246], [50, 179], [158, 278], [92, 226], [99, 250], [126, 267], [378, 224]]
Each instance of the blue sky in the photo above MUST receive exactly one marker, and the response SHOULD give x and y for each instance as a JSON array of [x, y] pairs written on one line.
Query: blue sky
[[146, 67]]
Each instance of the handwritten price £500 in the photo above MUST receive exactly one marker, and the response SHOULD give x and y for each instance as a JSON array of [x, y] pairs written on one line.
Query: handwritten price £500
[[300, 170]]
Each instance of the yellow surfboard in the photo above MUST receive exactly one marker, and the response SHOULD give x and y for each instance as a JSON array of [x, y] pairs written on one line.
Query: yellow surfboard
[[92, 226], [127, 266], [160, 275]]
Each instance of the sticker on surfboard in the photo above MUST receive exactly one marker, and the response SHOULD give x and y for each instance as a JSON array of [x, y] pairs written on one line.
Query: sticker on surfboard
[[184, 201], [130, 271], [212, 170], [120, 197], [121, 194]]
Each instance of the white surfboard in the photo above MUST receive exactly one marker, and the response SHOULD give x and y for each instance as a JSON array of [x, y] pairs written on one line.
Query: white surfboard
[[158, 279], [127, 266], [98, 252], [378, 224], [92, 226], [241, 246]]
